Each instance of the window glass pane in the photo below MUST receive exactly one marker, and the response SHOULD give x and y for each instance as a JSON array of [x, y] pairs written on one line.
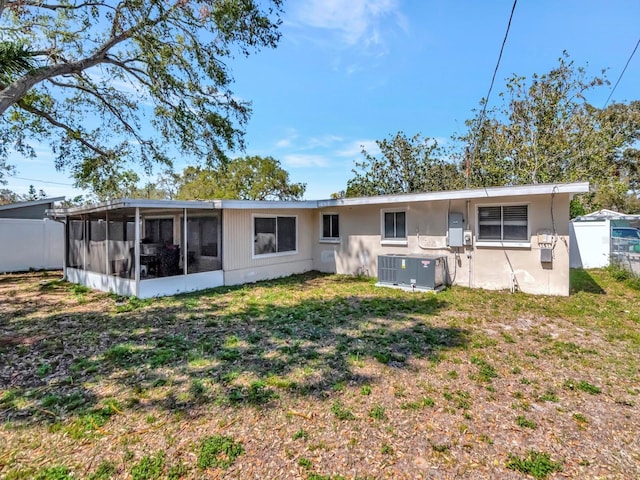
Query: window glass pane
[[286, 234], [489, 232], [265, 236], [326, 226], [490, 223], [335, 228], [514, 218], [389, 225], [158, 230], [515, 232], [330, 226], [401, 227]]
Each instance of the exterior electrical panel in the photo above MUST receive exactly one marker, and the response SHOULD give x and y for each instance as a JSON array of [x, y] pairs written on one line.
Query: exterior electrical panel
[[412, 271], [456, 229]]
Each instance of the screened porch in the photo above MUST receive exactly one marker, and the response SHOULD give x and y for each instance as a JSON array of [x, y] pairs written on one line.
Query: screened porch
[[145, 248]]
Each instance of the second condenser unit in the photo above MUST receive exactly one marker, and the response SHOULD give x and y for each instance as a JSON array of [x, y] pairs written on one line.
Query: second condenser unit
[[412, 271]]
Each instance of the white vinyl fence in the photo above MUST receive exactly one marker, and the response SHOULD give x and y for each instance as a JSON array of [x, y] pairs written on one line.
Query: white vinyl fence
[[30, 244]]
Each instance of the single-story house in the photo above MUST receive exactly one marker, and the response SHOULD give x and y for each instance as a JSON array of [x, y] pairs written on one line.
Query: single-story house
[[495, 238], [592, 244], [29, 239]]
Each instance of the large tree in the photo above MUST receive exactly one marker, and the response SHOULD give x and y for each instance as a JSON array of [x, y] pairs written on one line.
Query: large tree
[[544, 130], [404, 165], [248, 178], [109, 83]]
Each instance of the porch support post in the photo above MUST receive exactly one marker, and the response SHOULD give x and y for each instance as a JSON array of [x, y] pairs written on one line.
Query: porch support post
[[136, 254], [184, 241], [85, 242], [106, 243]]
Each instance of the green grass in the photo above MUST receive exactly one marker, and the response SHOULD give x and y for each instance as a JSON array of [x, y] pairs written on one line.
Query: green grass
[[341, 412], [218, 451], [524, 422], [583, 386], [315, 363], [378, 413], [150, 467], [537, 464]]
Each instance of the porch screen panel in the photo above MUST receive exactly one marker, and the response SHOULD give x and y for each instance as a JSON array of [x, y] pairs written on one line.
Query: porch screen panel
[[97, 251], [76, 244], [203, 238], [121, 247]]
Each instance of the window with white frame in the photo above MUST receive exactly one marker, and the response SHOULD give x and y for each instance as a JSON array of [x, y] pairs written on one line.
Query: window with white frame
[[274, 234], [330, 226], [394, 225], [508, 223]]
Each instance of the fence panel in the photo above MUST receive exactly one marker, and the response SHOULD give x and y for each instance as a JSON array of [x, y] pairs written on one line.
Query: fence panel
[[30, 244]]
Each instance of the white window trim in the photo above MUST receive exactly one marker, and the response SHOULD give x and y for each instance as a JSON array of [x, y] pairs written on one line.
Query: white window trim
[[397, 241], [503, 243], [328, 239], [253, 236]]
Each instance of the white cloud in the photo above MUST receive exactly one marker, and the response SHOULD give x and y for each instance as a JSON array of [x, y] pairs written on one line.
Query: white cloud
[[354, 149], [305, 160], [356, 22]]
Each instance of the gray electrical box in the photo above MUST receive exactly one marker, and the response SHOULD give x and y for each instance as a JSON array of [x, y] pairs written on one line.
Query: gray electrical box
[[412, 271], [456, 229]]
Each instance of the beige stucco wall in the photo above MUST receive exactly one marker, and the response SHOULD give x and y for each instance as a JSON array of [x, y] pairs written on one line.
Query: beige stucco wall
[[490, 267], [238, 262]]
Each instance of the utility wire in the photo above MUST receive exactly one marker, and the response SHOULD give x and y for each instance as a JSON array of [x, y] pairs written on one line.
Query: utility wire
[[493, 79], [621, 74], [41, 181]]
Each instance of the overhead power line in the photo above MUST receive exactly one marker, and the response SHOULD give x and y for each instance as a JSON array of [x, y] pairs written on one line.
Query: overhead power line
[[493, 79], [495, 70], [41, 181], [621, 74]]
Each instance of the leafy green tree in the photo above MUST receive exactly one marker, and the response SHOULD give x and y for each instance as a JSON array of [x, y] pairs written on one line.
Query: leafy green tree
[[405, 165], [546, 131], [83, 76], [248, 178], [33, 194], [8, 196]]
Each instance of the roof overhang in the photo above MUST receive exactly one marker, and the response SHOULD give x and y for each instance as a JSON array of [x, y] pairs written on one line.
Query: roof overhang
[[129, 204], [478, 193], [31, 203]]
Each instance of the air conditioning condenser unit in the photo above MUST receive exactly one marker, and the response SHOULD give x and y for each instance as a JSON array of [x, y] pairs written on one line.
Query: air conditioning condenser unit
[[412, 272]]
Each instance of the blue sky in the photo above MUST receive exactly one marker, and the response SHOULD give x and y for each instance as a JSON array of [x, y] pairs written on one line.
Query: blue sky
[[349, 72]]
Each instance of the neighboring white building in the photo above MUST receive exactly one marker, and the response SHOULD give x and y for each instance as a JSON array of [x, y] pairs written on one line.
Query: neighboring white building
[[495, 238], [591, 237]]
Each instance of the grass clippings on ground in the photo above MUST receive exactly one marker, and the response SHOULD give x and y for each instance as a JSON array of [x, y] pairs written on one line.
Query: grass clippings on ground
[[319, 376]]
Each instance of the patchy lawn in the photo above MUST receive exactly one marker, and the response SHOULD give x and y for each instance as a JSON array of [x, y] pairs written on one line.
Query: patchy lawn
[[318, 377]]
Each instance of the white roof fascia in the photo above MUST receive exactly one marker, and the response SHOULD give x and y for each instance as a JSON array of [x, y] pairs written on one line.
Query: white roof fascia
[[134, 203], [489, 192], [31, 203], [268, 204]]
